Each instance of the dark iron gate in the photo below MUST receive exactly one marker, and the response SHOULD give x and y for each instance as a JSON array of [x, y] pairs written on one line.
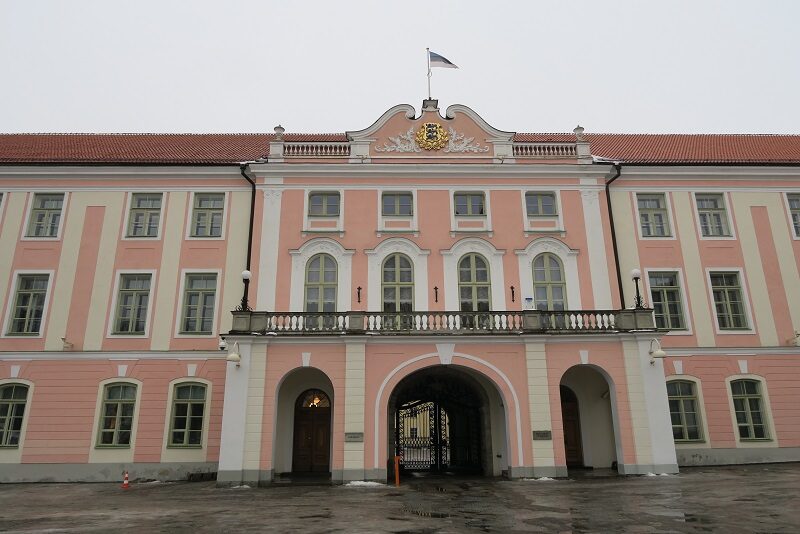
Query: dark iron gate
[[440, 430]]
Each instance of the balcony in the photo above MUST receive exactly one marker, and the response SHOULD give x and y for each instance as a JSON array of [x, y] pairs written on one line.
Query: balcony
[[423, 323]]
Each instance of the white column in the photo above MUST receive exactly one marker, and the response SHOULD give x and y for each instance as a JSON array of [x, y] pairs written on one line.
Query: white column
[[234, 412], [539, 407], [354, 397], [254, 414], [268, 262], [596, 245]]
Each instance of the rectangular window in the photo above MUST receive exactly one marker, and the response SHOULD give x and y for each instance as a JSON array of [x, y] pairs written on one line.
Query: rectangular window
[[712, 215], [665, 293], [728, 301], [323, 204], [207, 214], [683, 410], [794, 211], [469, 204], [747, 405], [188, 410], [198, 304], [12, 410], [116, 417], [541, 204], [653, 216], [134, 295], [145, 215], [26, 318], [45, 215], [397, 204]]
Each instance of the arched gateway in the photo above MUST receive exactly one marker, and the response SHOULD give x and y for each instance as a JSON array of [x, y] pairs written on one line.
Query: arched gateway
[[446, 419]]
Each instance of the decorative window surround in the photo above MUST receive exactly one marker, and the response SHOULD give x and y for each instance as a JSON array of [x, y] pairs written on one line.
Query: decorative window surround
[[186, 454], [344, 272], [725, 211], [470, 223], [569, 261], [26, 222], [146, 212], [190, 221], [323, 224], [375, 258], [494, 256], [180, 303], [114, 454], [688, 330], [398, 223], [766, 413], [112, 316], [751, 326], [705, 441], [540, 224], [12, 297], [667, 210], [13, 455], [792, 209]]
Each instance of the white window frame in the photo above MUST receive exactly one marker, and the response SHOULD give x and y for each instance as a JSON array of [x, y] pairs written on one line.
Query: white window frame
[[375, 259], [338, 228], [493, 256], [12, 297], [751, 329], [486, 217], [13, 455], [161, 215], [689, 331], [727, 202], [569, 262], [112, 316], [344, 272], [179, 312], [558, 217], [766, 410], [115, 454], [668, 209], [383, 219], [186, 454], [705, 442], [795, 235], [27, 220], [190, 218]]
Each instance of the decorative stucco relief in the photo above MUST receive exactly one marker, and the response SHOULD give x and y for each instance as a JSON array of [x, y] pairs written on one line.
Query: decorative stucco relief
[[459, 143], [407, 143], [404, 142]]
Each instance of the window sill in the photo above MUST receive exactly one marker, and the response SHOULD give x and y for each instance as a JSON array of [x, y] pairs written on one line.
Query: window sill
[[185, 447], [113, 447]]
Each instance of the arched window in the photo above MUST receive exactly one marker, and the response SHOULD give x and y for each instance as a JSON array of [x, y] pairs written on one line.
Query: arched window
[[313, 398], [320, 290], [188, 413], [750, 418], [116, 417], [473, 283], [549, 289], [683, 410], [13, 398], [397, 283]]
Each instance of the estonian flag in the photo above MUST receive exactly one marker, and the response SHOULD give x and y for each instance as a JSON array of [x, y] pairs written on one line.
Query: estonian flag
[[440, 61]]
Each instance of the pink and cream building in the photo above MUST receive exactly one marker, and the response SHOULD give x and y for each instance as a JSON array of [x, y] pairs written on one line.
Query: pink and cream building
[[429, 287]]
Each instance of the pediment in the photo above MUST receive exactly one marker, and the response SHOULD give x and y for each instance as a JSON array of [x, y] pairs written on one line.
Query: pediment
[[402, 133]]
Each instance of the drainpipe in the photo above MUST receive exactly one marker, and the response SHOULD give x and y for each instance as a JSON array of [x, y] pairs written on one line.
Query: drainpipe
[[244, 169], [618, 173]]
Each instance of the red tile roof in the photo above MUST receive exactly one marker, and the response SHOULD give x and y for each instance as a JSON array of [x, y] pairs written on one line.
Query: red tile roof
[[222, 149]]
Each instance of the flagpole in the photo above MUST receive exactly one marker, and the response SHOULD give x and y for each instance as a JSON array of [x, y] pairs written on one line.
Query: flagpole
[[428, 54]]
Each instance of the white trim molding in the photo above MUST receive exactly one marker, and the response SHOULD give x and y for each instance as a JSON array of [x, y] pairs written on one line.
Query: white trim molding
[[569, 260], [375, 259], [12, 296], [344, 272], [470, 245]]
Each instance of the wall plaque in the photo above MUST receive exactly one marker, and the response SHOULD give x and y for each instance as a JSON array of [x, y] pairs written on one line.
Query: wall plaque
[[353, 437], [542, 435]]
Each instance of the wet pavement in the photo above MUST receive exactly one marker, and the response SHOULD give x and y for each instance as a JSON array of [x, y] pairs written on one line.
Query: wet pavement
[[759, 498]]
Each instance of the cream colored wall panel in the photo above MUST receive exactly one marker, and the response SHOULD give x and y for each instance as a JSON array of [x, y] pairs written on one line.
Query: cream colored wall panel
[[65, 275], [14, 208], [168, 272], [255, 407], [625, 223], [636, 404], [696, 286], [236, 259], [104, 272], [786, 260], [539, 402], [754, 270]]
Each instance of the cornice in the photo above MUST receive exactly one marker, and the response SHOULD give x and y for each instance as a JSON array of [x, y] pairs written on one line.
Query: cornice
[[416, 170]]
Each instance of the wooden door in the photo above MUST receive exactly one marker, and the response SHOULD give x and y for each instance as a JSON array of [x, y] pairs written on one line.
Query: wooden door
[[312, 436], [572, 428]]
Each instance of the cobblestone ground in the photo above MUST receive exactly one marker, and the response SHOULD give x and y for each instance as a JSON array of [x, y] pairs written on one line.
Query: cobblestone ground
[[764, 498]]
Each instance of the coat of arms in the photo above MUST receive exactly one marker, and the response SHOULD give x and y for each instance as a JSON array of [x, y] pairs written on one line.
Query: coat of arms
[[431, 136]]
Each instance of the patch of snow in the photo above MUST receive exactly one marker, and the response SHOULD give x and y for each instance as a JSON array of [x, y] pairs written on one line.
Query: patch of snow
[[149, 482], [243, 486], [540, 479], [663, 474], [364, 484], [651, 475]]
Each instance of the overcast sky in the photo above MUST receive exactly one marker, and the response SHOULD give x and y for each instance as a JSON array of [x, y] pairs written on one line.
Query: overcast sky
[[322, 66]]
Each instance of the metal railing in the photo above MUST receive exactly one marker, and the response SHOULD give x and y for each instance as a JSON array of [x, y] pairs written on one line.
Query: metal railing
[[441, 322]]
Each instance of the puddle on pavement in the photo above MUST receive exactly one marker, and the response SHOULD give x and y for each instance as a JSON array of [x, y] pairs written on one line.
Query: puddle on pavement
[[427, 513]]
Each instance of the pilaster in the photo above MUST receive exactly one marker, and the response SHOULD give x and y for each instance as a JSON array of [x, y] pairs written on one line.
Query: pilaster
[[354, 398]]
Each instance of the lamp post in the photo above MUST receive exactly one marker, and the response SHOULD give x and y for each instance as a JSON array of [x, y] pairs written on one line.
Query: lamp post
[[638, 301], [246, 280]]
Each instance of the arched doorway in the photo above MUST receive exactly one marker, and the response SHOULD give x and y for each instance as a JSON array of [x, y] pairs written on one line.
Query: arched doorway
[[312, 433], [590, 433], [441, 420]]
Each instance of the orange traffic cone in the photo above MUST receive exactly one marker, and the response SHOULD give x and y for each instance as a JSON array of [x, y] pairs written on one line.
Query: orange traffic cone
[[125, 483]]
